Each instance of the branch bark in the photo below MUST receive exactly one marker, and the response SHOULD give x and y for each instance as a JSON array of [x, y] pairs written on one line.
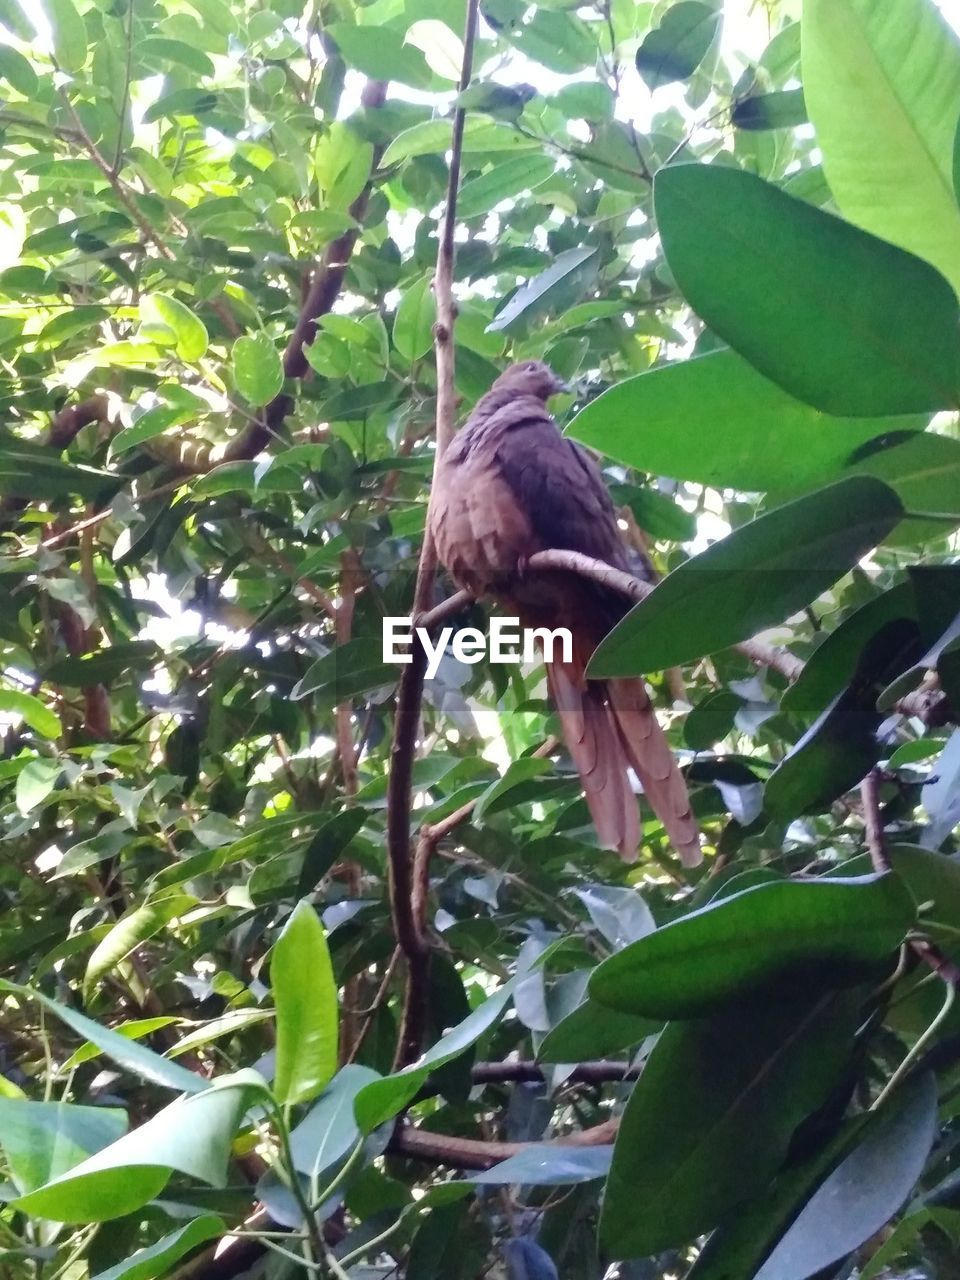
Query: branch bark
[[407, 923], [475, 1153]]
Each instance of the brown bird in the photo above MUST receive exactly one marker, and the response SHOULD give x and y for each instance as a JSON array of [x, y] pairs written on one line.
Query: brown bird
[[508, 486]]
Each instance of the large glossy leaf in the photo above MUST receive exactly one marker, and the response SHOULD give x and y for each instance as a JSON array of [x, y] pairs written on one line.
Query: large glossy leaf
[[545, 291], [882, 82], [712, 1115], [328, 1131], [305, 994], [34, 712], [771, 936], [757, 576], [191, 1136], [592, 1031], [863, 1193], [716, 420], [868, 329], [924, 471], [130, 930]]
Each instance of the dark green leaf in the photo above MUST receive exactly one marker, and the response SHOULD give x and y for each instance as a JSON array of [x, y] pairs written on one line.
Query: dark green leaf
[[758, 575], [707, 1127], [158, 1258], [545, 1164], [770, 936], [783, 110], [540, 294], [675, 49]]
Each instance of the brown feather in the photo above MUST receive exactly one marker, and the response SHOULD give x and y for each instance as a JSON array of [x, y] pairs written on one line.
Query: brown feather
[[511, 485]]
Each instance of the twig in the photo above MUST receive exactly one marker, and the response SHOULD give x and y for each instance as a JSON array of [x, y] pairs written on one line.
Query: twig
[[926, 951], [409, 934]]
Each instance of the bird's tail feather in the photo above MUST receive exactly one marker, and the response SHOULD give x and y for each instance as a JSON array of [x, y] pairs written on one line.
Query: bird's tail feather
[[595, 745], [609, 727], [649, 752]]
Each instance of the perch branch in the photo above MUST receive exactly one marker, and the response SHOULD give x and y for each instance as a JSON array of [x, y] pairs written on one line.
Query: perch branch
[[408, 925], [475, 1153]]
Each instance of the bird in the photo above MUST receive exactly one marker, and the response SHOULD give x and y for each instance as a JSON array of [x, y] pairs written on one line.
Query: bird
[[509, 485]]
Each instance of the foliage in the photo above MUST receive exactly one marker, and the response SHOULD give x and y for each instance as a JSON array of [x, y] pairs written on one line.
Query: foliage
[[219, 233]]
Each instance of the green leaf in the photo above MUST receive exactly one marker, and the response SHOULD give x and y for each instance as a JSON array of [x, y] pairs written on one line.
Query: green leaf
[[42, 1140], [763, 937], [842, 745], [864, 1192], [869, 329], [544, 291], [504, 179], [135, 1029], [257, 369], [758, 575], [717, 421], [159, 50], [433, 137], [349, 669], [168, 312], [342, 162], [593, 1031], [17, 71], [133, 1057], [35, 781], [517, 772], [832, 664], [713, 1113], [191, 1136], [924, 471], [413, 323], [158, 1258], [882, 83], [69, 34], [36, 713], [675, 49], [104, 666], [305, 995], [383, 1099], [783, 110], [328, 1131], [561, 41], [442, 49], [127, 934], [379, 53]]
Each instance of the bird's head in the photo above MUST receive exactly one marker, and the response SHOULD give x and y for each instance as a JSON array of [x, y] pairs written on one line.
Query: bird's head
[[531, 378]]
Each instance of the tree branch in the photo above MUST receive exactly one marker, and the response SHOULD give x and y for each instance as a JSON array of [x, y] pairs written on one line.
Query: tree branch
[[408, 926], [474, 1153]]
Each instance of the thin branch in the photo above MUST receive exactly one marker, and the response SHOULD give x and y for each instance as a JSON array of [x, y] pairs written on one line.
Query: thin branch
[[876, 840], [474, 1153], [409, 934]]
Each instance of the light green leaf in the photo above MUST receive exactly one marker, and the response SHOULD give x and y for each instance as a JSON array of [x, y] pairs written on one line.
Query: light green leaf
[[504, 179], [716, 420], [413, 323], [882, 83], [442, 49], [69, 33], [518, 771], [189, 333], [305, 994], [757, 576], [135, 1029], [36, 713], [191, 1136], [35, 782], [867, 329], [17, 71], [433, 136], [42, 1140], [127, 934], [257, 368]]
